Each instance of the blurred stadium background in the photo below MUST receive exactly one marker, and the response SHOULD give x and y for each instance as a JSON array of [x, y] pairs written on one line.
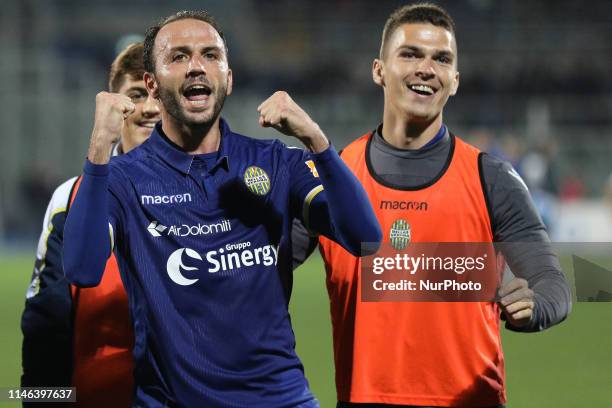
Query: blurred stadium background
[[535, 89]]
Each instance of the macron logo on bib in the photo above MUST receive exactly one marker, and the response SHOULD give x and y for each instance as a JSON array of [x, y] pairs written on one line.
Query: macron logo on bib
[[165, 199]]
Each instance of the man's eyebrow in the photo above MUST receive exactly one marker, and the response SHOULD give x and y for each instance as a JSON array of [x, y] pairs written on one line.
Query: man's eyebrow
[[421, 49], [409, 47], [188, 50], [137, 88], [445, 53], [181, 48], [211, 48]]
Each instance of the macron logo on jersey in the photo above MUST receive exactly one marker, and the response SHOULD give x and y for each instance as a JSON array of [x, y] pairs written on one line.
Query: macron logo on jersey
[[165, 199]]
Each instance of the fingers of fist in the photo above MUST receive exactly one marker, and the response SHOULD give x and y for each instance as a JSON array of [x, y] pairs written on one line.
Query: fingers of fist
[[516, 301], [114, 102], [111, 111], [275, 110]]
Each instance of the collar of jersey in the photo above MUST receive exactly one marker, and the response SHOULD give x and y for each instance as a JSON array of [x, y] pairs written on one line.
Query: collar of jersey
[[441, 135], [181, 161]]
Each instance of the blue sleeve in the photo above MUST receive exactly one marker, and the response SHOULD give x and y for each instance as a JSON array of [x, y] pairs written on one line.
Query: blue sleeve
[[339, 207], [89, 228]]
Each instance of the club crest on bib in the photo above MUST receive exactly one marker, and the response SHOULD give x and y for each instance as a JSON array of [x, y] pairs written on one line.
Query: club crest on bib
[[257, 180], [399, 234]]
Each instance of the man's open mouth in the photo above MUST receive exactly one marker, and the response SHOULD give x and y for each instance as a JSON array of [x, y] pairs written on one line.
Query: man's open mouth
[[424, 90], [197, 92]]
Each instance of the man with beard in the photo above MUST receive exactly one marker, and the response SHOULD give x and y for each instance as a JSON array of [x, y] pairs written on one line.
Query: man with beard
[[200, 219], [428, 186], [83, 337]]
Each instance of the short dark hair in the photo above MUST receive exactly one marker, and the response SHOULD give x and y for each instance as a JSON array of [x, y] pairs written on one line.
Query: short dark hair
[[428, 13], [129, 63], [151, 34]]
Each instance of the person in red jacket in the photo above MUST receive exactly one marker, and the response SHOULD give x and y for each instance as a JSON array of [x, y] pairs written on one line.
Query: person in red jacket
[[83, 337]]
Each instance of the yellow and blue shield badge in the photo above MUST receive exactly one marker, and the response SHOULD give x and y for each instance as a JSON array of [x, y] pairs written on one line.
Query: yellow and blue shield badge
[[257, 180], [399, 234]]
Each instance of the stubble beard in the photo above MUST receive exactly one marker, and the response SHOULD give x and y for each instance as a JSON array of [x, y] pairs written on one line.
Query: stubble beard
[[171, 102]]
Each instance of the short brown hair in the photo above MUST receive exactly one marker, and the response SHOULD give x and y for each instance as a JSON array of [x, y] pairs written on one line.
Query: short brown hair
[[427, 13], [151, 34], [129, 63]]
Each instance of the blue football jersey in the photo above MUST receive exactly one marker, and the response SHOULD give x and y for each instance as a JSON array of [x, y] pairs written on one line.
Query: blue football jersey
[[203, 245]]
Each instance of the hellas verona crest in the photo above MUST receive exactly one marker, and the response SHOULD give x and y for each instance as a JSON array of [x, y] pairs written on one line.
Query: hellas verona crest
[[256, 180], [399, 234]]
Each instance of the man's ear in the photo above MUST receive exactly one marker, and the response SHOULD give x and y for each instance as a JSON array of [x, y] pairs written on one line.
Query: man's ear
[[151, 85], [455, 84], [230, 82], [377, 72]]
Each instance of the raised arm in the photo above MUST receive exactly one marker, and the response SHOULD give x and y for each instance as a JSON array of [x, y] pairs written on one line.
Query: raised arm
[[90, 224], [340, 209]]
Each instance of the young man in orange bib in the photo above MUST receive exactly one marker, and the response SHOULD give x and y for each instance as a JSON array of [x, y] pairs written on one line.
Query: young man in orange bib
[[83, 337], [426, 354]]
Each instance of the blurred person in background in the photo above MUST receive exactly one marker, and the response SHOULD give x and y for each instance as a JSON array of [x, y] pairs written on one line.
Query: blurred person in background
[[540, 172], [418, 354], [83, 337]]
